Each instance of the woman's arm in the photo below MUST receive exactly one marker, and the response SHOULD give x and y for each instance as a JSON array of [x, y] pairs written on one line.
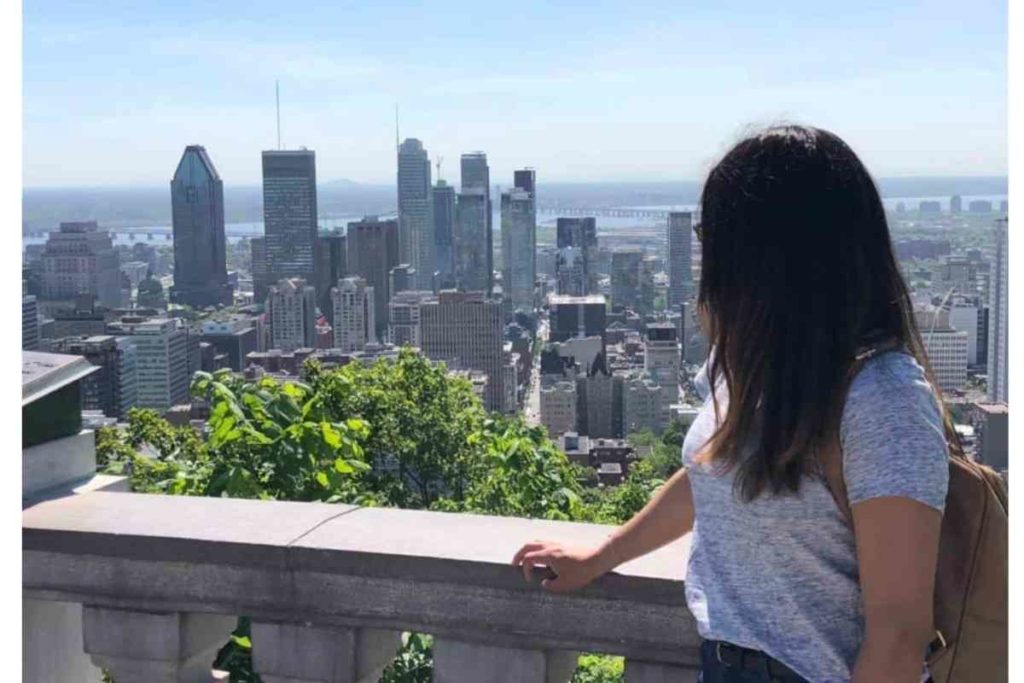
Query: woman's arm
[[897, 550], [666, 517]]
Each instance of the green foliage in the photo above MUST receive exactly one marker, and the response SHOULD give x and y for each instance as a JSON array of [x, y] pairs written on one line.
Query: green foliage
[[414, 663], [599, 669]]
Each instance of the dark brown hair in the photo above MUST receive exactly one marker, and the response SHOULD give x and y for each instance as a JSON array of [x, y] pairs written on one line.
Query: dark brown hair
[[798, 273]]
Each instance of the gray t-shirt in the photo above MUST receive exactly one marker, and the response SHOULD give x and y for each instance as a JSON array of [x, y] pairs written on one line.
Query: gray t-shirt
[[779, 574]]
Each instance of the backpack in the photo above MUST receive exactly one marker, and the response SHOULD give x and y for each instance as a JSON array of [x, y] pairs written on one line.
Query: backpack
[[972, 572]]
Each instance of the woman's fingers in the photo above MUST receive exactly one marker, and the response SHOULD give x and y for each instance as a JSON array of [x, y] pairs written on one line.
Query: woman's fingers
[[529, 547], [543, 557]]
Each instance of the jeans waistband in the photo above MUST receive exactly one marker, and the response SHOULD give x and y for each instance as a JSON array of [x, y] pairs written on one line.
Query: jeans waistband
[[734, 657]]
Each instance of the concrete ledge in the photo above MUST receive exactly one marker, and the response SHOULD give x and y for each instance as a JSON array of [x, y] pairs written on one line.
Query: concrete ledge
[[445, 574]]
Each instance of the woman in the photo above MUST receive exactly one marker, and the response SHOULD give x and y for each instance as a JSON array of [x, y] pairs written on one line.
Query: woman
[[798, 277]]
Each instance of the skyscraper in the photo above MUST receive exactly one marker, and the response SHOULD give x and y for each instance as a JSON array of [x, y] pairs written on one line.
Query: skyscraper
[[291, 309], [29, 323], [372, 248], [415, 212], [160, 360], [465, 330], [331, 264], [998, 336], [81, 259], [290, 214], [444, 228], [626, 265], [354, 325], [471, 260], [197, 213], [476, 175], [519, 240], [576, 260], [680, 258]]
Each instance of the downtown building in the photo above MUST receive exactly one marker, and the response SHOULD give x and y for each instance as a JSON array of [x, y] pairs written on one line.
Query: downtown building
[[519, 240], [945, 347], [372, 252], [291, 311], [558, 406], [197, 215], [30, 334], [331, 258], [354, 325], [465, 329], [998, 331], [577, 316], [161, 360], [680, 258], [81, 259], [415, 212], [470, 241], [576, 258], [444, 232], [113, 388], [476, 179], [404, 324], [289, 215], [233, 336], [626, 278]]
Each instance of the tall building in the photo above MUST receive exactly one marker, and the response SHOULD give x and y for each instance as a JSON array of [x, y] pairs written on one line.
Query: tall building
[[354, 325], [945, 347], [29, 323], [956, 204], [444, 230], [233, 336], [197, 214], [415, 212], [599, 405], [99, 390], [680, 258], [127, 388], [963, 316], [465, 329], [372, 251], [643, 405], [291, 310], [998, 337], [476, 176], [331, 265], [470, 243], [260, 272], [626, 276], [404, 317], [161, 361], [290, 214], [401, 278], [519, 240], [577, 316], [81, 259], [576, 260], [558, 407]]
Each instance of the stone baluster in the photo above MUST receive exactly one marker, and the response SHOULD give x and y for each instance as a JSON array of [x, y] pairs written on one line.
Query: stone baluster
[[307, 653], [148, 647], [458, 661]]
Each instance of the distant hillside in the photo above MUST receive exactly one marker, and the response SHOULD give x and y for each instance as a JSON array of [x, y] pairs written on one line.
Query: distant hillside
[[44, 208]]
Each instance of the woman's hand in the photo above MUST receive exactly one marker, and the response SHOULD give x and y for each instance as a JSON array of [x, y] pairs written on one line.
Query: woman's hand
[[570, 568]]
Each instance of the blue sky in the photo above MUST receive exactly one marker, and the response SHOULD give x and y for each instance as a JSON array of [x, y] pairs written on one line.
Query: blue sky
[[581, 91]]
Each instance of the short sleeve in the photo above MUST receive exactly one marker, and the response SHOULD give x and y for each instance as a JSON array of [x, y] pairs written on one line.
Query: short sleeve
[[892, 434]]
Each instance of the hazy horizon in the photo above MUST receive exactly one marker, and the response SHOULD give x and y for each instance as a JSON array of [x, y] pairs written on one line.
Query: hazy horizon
[[581, 91]]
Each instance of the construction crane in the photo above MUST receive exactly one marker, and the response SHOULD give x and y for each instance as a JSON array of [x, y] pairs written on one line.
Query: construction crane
[[438, 165]]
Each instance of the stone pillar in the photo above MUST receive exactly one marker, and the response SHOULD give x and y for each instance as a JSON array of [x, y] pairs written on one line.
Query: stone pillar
[[304, 653], [654, 672], [456, 661], [147, 647]]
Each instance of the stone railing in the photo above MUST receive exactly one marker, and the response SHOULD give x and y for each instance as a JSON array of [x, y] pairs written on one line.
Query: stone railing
[[329, 588]]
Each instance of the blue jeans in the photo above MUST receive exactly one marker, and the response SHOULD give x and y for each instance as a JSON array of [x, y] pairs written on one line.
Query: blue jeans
[[714, 671]]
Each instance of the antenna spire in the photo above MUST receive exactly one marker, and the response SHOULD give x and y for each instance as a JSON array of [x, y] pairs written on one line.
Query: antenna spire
[[396, 127], [438, 165], [277, 98]]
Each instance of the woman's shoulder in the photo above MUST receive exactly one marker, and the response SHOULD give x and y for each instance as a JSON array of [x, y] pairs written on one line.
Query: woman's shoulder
[[891, 371]]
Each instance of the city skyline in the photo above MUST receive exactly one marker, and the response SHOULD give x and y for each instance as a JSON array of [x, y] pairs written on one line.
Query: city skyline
[[653, 94]]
